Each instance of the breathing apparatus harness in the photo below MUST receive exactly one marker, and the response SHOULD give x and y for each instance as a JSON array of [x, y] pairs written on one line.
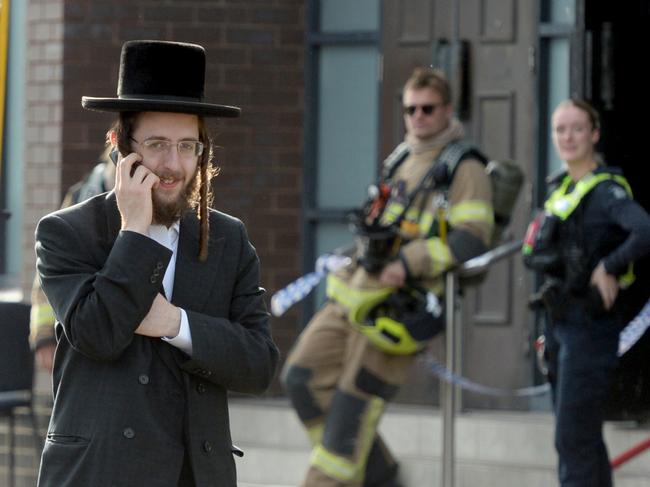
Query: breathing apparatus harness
[[398, 321], [384, 224]]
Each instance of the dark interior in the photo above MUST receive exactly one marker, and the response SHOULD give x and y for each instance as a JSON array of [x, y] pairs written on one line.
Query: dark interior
[[620, 93]]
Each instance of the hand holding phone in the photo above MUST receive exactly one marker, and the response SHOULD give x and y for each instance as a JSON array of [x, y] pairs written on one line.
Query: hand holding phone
[[133, 189], [114, 156]]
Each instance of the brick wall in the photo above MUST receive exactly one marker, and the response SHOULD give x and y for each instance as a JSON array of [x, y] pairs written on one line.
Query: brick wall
[[255, 60], [44, 102], [255, 52]]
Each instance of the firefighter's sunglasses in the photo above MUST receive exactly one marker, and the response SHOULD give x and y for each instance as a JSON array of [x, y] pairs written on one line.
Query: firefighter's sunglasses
[[426, 109]]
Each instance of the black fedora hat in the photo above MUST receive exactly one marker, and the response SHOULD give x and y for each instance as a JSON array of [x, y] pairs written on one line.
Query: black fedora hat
[[160, 76]]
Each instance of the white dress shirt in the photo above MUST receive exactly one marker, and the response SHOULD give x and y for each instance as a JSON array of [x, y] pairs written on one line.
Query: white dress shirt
[[169, 238]]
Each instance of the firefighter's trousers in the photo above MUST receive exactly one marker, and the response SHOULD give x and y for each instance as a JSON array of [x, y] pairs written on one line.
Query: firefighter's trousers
[[339, 384]]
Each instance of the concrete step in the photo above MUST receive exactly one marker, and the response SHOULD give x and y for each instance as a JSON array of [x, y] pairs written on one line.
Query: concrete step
[[493, 448]]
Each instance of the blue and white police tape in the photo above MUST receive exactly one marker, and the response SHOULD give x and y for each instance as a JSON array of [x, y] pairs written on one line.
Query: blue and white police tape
[[627, 338], [464, 383], [634, 330], [301, 287]]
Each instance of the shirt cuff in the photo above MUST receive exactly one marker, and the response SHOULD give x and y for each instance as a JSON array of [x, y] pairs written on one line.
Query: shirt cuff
[[184, 338]]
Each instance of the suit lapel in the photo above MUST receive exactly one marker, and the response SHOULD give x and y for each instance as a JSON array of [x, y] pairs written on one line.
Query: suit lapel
[[193, 279]]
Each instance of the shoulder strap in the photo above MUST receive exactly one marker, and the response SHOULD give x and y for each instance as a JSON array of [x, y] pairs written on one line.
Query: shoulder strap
[[452, 155], [393, 161], [447, 162]]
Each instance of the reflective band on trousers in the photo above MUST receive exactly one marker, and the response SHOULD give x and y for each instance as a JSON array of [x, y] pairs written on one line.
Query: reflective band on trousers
[[345, 469], [315, 433], [563, 205]]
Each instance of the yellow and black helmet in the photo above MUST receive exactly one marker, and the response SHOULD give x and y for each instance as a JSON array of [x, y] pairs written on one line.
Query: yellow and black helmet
[[404, 322]]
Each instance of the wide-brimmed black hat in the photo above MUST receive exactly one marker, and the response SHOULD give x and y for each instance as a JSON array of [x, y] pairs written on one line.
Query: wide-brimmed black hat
[[160, 76]]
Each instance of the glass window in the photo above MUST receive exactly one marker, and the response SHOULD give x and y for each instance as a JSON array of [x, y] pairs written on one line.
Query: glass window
[[558, 90], [346, 15], [347, 125], [563, 11]]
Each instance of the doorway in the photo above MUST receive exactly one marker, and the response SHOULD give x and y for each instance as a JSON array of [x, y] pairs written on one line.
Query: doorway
[[619, 90]]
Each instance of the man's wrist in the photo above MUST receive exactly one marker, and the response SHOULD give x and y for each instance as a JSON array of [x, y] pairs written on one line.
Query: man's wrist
[[175, 322]]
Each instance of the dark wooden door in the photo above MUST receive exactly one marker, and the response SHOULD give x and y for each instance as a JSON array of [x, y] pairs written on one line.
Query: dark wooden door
[[498, 110]]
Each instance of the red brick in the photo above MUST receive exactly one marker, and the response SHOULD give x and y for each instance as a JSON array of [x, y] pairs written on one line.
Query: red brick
[[239, 35]]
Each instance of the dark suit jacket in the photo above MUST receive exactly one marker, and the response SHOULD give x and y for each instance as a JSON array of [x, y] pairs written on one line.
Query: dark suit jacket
[[128, 408]]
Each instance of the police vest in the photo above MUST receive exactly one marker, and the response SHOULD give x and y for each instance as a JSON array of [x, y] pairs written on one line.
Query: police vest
[[562, 204]]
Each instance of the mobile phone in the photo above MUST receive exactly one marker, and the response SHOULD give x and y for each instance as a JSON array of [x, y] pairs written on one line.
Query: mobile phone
[[113, 155]]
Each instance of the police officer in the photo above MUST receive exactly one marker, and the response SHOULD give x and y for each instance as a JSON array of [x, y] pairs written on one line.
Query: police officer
[[339, 380], [590, 234]]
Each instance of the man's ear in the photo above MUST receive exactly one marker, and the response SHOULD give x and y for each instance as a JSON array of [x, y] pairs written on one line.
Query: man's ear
[[111, 136]]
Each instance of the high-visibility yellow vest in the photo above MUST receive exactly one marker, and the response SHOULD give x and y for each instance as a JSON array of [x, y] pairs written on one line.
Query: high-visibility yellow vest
[[563, 204]]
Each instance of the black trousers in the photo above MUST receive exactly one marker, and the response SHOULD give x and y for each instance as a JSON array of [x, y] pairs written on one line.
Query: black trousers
[[583, 359]]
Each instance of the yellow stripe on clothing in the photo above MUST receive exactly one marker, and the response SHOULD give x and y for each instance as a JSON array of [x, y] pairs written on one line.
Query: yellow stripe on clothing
[[344, 469], [42, 314], [471, 211], [440, 256]]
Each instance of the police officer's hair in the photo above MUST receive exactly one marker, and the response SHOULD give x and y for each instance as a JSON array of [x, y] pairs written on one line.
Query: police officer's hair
[[431, 78], [585, 106]]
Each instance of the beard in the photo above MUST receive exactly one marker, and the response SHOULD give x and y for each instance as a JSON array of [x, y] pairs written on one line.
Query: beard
[[167, 212]]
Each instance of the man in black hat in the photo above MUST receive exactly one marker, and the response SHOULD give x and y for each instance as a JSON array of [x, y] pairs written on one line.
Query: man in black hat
[[158, 303]]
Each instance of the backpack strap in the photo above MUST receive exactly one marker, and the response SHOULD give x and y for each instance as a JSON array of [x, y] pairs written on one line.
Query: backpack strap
[[451, 156], [446, 163]]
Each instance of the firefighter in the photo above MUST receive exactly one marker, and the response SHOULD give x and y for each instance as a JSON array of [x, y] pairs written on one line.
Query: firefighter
[[585, 242], [351, 358]]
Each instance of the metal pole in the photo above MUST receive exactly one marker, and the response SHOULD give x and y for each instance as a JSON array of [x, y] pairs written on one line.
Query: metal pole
[[449, 397]]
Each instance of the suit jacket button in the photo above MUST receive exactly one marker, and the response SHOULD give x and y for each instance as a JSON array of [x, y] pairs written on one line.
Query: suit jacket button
[[200, 388], [153, 279], [128, 433], [143, 379], [159, 265], [207, 446]]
